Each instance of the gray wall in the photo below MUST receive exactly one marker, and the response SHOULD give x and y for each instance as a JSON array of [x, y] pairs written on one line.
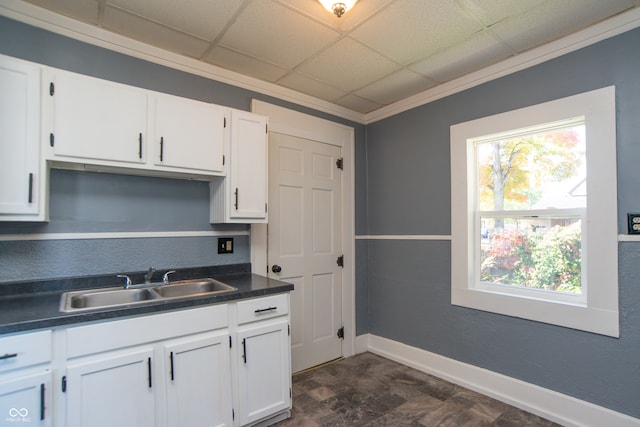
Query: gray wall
[[91, 202], [408, 181]]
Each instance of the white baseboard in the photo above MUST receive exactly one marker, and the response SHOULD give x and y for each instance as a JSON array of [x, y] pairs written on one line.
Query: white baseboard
[[554, 406]]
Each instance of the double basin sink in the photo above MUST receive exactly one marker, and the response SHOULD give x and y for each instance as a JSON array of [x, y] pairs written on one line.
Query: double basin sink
[[114, 297]]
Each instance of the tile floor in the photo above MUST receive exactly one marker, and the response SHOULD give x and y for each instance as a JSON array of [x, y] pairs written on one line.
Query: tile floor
[[369, 390]]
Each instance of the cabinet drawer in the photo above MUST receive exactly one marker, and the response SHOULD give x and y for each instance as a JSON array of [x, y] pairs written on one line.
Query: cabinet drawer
[[263, 308], [20, 351], [81, 340]]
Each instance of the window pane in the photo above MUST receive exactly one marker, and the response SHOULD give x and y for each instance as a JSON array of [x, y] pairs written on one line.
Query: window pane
[[542, 253], [533, 171]]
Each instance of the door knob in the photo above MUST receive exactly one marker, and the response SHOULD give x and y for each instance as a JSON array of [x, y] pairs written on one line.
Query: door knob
[[276, 268]]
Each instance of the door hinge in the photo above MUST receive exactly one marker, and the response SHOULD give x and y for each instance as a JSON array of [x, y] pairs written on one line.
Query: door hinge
[[290, 393], [289, 330], [52, 139], [341, 333], [233, 414], [340, 163], [265, 208], [224, 124], [64, 384], [52, 88], [223, 160], [340, 261], [230, 341], [266, 128]]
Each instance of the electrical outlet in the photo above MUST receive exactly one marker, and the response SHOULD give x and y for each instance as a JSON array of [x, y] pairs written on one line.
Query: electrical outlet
[[634, 223], [225, 245]]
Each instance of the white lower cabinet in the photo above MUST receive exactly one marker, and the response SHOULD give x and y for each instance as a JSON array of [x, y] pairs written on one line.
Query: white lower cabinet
[[264, 373], [113, 389], [26, 400], [220, 365], [198, 381]]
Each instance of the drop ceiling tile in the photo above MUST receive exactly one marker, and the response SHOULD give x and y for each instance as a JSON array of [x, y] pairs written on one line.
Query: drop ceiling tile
[[358, 104], [154, 34], [409, 30], [201, 18], [348, 65], [554, 19], [83, 10], [395, 87], [362, 10], [490, 12], [481, 51], [244, 64], [304, 84], [277, 34]]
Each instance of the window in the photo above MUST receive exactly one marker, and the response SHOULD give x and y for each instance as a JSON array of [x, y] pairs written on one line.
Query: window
[[534, 219]]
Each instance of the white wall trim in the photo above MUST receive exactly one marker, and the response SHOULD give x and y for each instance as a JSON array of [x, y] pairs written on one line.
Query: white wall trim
[[118, 235], [557, 407], [403, 237], [42, 18], [591, 35]]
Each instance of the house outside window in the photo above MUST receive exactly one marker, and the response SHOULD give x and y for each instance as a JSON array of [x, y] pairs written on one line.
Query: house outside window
[[534, 219]]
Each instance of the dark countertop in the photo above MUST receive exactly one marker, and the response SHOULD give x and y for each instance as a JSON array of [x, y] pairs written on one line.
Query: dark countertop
[[35, 305]]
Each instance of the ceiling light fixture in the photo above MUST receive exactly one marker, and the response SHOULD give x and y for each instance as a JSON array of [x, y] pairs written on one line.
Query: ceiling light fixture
[[338, 7]]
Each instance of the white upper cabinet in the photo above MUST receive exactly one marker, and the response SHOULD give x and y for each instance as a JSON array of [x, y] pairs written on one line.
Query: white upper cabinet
[[125, 129], [22, 179], [97, 119], [242, 196], [188, 134]]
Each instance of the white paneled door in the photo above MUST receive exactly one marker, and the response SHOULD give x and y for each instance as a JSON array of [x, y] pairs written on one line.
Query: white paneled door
[[304, 243]]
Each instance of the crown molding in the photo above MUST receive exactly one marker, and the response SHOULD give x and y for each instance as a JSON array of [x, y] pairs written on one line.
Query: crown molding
[[591, 35], [41, 18]]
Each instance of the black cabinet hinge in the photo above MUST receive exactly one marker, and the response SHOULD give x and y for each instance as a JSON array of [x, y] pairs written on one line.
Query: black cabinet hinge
[[52, 139], [289, 330], [341, 333], [265, 208], [266, 128], [223, 160], [340, 163], [52, 88], [233, 414], [64, 384], [224, 124], [290, 393], [230, 341], [340, 261]]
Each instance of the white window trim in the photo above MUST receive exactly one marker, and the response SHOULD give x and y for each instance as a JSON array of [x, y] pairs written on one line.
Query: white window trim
[[599, 314]]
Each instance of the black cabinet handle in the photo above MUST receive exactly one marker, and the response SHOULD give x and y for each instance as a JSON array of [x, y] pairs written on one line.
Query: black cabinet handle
[[41, 402], [149, 370], [8, 356], [236, 194], [30, 188], [262, 310], [161, 147], [140, 145], [244, 350], [276, 268], [171, 363]]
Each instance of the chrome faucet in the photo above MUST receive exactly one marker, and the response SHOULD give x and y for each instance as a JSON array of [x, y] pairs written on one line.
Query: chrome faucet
[[148, 275], [165, 278], [128, 282]]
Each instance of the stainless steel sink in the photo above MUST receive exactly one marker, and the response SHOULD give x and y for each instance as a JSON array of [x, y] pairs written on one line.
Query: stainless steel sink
[[113, 297], [193, 287], [102, 298]]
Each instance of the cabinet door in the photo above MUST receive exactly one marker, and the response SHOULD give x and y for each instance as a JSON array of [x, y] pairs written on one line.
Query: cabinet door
[[114, 389], [199, 381], [248, 181], [97, 119], [19, 137], [26, 400], [264, 370], [188, 134]]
